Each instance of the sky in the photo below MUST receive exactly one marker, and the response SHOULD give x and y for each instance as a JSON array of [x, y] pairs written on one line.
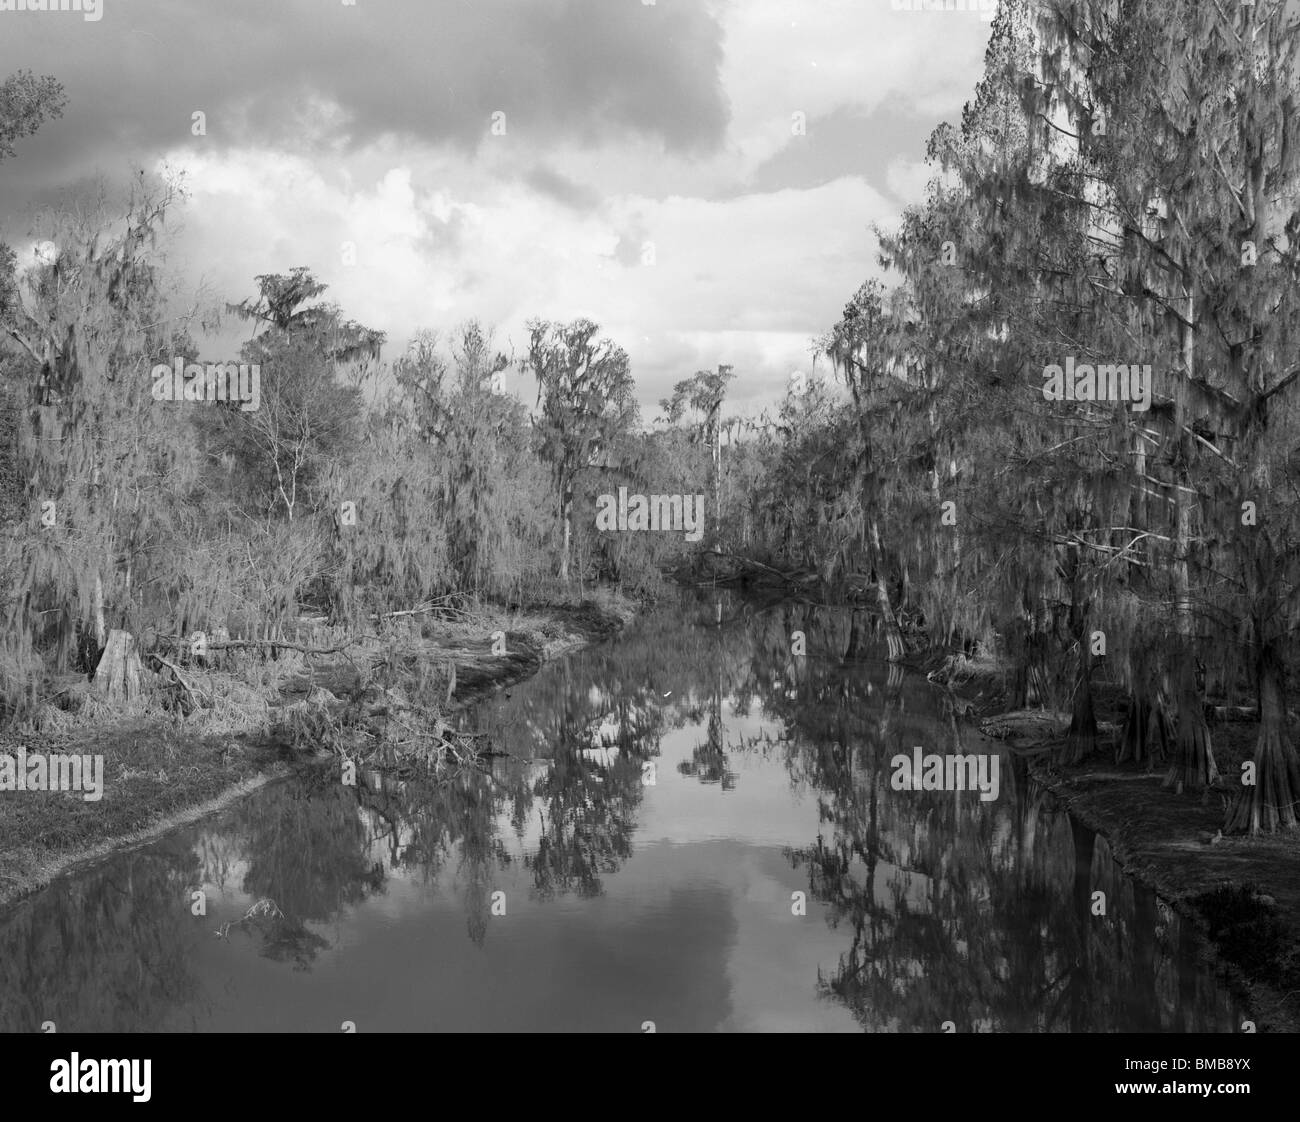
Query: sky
[[700, 177]]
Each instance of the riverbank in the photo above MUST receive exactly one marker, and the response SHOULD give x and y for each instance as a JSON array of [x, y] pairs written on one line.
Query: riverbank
[[162, 769], [1242, 893]]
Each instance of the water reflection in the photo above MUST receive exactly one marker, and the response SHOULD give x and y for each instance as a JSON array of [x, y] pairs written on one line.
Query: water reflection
[[633, 852]]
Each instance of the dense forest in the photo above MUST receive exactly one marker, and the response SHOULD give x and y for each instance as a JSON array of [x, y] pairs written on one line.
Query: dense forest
[[1122, 192]]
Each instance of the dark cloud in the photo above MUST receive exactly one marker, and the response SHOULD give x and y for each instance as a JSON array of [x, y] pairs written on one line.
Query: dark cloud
[[631, 243], [442, 239], [549, 182], [848, 142], [578, 71]]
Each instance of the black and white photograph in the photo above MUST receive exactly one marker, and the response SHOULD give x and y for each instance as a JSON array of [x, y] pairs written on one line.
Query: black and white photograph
[[650, 516]]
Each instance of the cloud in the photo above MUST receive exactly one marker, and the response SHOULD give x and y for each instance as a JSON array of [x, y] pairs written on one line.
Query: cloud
[[907, 179], [336, 128], [835, 55], [551, 183], [299, 74], [633, 247], [847, 141], [747, 280]]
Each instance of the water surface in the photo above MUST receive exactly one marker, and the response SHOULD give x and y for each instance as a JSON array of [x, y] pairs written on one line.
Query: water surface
[[691, 827]]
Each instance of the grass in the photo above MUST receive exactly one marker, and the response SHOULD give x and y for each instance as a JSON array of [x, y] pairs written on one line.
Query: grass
[[153, 769]]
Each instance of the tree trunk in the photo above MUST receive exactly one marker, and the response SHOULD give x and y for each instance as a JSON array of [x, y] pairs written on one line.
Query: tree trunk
[[715, 449], [1020, 685], [1270, 804], [101, 631], [893, 635], [1081, 740], [1193, 765], [1018, 653], [1148, 733], [117, 677], [854, 649], [566, 520]]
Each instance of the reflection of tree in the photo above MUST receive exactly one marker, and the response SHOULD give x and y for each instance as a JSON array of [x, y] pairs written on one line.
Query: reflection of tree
[[956, 910], [308, 850], [708, 762], [107, 951], [587, 822], [111, 950], [427, 825], [953, 909], [598, 719], [949, 908]]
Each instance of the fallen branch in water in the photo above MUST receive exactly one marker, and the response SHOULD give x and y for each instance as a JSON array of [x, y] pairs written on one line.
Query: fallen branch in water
[[265, 908]]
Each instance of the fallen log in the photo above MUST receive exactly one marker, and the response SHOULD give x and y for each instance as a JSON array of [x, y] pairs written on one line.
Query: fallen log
[[284, 644], [235, 644]]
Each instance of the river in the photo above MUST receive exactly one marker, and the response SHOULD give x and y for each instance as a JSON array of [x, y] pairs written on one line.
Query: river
[[688, 828]]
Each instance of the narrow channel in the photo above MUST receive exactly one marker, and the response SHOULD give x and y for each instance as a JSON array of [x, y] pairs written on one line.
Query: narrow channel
[[689, 828]]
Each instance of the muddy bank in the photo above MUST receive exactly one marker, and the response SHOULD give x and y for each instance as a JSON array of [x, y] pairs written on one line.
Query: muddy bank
[[1242, 893], [162, 770]]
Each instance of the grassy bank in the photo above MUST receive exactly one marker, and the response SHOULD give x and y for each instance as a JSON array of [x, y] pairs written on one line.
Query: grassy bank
[[166, 763], [1242, 893]]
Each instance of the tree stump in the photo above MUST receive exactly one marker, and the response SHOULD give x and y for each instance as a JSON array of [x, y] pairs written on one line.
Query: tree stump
[[117, 677]]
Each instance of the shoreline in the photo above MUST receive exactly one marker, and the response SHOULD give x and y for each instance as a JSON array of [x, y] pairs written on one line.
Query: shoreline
[[1241, 893], [1164, 841], [1150, 860], [257, 762], [44, 874]]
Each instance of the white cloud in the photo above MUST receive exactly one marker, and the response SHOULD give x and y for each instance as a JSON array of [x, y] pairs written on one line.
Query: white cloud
[[908, 179], [781, 57], [442, 235], [747, 280]]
